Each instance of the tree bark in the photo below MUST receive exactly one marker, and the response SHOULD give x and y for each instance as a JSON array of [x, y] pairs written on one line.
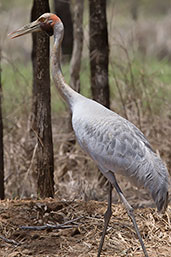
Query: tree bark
[[62, 9], [42, 106], [99, 52], [78, 45], [2, 194], [75, 64], [99, 56], [134, 9]]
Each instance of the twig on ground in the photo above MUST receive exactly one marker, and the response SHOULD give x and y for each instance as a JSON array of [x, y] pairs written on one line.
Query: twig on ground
[[9, 241], [49, 226]]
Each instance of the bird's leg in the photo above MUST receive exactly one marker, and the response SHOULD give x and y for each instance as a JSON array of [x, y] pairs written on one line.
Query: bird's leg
[[107, 216], [130, 212]]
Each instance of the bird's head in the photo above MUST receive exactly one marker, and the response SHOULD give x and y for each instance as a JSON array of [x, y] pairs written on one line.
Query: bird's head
[[44, 23]]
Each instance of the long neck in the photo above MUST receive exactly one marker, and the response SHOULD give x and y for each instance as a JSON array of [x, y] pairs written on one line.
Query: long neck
[[68, 94]]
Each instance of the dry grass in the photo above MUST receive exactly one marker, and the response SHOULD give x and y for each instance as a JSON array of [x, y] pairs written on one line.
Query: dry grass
[[149, 35], [76, 176], [83, 239]]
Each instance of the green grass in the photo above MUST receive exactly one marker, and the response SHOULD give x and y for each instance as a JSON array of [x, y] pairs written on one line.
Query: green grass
[[161, 69], [85, 78], [17, 84], [148, 81], [17, 88]]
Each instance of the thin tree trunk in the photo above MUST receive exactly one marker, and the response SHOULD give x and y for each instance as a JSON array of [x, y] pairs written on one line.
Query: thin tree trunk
[[42, 106], [62, 9], [99, 52], [75, 64], [99, 56], [2, 194], [134, 9]]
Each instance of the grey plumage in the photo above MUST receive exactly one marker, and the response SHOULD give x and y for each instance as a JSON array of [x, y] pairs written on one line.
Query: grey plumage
[[116, 145]]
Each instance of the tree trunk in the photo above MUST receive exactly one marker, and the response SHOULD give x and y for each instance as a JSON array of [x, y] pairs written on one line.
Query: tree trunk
[[75, 64], [2, 194], [78, 45], [134, 9], [99, 57], [99, 52], [42, 106], [62, 9]]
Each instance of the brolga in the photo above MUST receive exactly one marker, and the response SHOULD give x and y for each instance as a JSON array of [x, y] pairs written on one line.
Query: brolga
[[114, 143]]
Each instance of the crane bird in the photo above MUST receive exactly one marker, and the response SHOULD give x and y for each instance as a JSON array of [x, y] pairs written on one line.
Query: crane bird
[[114, 143]]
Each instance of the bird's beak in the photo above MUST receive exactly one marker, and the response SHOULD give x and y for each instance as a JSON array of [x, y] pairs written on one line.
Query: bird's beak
[[29, 28]]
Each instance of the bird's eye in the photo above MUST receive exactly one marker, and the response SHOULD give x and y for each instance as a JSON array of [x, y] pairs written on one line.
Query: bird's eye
[[42, 19]]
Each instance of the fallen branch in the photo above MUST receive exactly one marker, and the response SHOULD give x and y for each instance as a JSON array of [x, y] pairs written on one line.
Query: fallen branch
[[49, 226], [9, 241]]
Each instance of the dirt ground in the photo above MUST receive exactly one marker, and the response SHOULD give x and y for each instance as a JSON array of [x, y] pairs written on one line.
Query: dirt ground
[[81, 232]]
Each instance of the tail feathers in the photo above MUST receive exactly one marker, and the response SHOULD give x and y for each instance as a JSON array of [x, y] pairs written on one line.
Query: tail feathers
[[156, 183], [161, 200], [159, 191]]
